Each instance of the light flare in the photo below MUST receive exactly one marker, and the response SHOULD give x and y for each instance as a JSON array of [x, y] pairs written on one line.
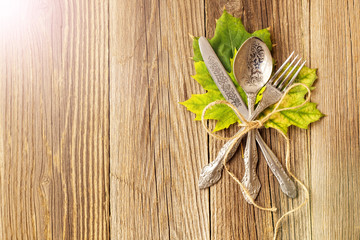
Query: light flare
[[12, 11]]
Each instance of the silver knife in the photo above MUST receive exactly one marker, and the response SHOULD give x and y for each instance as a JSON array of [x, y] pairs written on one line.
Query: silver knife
[[211, 173]]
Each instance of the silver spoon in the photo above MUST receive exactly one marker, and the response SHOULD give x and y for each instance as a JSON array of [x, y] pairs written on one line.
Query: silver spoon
[[252, 69]]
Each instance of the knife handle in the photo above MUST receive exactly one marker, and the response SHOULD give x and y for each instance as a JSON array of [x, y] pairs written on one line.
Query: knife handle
[[211, 173]]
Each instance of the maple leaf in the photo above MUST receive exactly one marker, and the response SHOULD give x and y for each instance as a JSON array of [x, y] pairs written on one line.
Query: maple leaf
[[229, 35]]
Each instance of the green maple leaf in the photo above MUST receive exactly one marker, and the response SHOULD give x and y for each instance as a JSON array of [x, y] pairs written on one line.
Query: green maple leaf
[[229, 35]]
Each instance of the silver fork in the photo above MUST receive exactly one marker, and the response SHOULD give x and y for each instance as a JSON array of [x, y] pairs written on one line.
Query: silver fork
[[211, 173], [274, 90]]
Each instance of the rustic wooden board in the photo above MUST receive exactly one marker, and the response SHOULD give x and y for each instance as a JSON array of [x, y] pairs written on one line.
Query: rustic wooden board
[[93, 142], [54, 122]]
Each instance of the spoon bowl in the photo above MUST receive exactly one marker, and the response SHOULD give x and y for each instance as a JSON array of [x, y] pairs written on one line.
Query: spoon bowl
[[253, 65]]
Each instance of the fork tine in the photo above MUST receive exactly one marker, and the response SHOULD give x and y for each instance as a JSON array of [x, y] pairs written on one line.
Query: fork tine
[[289, 75], [280, 68], [295, 75], [285, 71]]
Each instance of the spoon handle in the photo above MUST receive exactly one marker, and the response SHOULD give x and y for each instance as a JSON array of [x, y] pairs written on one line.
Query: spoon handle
[[251, 180]]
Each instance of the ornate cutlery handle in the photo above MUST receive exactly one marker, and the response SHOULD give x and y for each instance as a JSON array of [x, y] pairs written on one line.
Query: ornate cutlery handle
[[251, 180], [211, 173]]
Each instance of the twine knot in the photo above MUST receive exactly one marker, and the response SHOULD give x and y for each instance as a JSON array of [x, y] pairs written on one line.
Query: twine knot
[[255, 124]]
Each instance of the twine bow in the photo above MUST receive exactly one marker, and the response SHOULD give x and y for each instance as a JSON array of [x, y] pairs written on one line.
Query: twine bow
[[250, 125]]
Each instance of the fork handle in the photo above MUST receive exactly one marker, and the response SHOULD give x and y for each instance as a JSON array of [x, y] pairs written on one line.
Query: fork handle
[[286, 184], [270, 97]]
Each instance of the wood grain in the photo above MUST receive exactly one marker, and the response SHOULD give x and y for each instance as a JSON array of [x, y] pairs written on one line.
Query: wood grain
[[335, 151], [54, 160], [156, 149], [94, 145]]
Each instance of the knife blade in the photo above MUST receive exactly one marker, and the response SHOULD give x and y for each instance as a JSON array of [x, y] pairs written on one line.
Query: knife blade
[[221, 76]]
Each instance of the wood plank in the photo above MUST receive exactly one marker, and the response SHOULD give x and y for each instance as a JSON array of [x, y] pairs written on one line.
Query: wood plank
[[335, 141], [54, 137], [231, 216], [157, 150]]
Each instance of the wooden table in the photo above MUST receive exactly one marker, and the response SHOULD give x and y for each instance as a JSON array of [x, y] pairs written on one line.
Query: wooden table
[[94, 145]]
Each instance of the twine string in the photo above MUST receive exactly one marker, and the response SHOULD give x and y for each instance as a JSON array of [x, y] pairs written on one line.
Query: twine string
[[248, 126]]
